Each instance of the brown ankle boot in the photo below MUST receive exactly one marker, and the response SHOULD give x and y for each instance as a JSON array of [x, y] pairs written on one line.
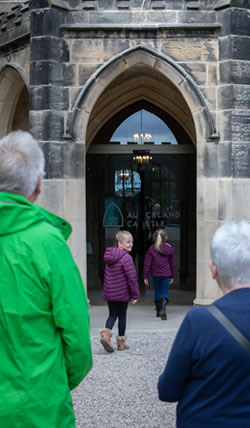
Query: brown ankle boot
[[106, 335], [121, 345]]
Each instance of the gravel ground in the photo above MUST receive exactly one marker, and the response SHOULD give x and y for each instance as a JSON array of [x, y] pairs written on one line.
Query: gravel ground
[[121, 389]]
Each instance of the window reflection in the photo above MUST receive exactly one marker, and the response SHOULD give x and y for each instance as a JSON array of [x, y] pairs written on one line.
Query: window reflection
[[143, 127], [127, 183]]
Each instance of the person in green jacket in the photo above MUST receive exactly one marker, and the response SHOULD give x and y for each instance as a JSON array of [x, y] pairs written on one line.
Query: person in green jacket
[[45, 348]]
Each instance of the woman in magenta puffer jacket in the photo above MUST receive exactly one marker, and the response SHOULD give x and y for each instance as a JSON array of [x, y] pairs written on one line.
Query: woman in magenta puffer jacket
[[160, 261], [120, 287]]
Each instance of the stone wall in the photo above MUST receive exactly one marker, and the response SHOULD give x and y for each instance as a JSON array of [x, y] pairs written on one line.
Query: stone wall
[[224, 177], [73, 46]]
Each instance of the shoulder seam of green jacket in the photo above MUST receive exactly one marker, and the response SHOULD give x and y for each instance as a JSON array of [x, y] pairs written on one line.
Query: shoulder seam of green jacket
[[38, 214]]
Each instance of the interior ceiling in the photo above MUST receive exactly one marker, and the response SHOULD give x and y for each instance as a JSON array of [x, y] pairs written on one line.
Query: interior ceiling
[[135, 84]]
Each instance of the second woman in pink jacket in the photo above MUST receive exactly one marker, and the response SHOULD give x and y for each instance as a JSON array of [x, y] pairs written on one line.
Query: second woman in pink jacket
[[160, 261]]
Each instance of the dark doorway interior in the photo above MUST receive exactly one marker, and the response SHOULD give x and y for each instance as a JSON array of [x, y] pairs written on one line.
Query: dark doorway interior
[[122, 194]]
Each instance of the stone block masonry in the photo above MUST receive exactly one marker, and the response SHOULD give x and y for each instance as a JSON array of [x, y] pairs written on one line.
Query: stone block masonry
[[81, 61]]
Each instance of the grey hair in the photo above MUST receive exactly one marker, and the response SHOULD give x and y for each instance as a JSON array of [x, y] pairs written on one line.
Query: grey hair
[[230, 251], [21, 163]]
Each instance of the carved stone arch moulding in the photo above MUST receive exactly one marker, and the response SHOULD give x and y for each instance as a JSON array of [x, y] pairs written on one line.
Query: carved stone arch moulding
[[109, 71], [14, 67], [12, 81]]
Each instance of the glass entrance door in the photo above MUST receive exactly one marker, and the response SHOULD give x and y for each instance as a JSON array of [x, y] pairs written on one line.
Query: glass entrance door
[[140, 197]]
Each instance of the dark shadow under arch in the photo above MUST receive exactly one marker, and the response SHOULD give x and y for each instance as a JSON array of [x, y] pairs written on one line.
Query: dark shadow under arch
[[101, 167]]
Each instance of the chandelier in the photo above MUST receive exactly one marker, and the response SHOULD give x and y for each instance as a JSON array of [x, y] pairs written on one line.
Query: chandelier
[[142, 156], [124, 174], [142, 138]]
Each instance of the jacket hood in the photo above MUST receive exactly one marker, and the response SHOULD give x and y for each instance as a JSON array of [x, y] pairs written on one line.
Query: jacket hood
[[161, 249], [113, 254], [17, 213]]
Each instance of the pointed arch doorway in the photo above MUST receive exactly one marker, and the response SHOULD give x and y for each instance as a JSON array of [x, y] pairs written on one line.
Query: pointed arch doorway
[[14, 107], [127, 193]]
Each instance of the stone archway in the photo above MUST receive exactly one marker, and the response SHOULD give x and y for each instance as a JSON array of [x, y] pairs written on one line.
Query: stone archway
[[142, 74], [130, 76], [14, 99]]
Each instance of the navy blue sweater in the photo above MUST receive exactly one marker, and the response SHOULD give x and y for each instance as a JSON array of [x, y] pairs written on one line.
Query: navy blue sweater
[[207, 371]]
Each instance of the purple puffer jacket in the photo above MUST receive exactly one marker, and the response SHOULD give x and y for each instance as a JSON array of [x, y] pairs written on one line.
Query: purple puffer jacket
[[120, 282], [161, 263]]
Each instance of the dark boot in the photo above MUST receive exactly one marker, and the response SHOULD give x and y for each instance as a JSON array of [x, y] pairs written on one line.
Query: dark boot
[[157, 307], [163, 313]]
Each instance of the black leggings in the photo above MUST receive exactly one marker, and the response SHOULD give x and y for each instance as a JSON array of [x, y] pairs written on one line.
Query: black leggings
[[117, 310]]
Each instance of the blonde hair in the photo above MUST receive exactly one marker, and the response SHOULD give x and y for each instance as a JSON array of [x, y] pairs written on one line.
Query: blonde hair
[[121, 235], [159, 238]]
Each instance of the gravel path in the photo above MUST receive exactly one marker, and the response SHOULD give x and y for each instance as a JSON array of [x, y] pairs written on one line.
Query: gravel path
[[120, 391]]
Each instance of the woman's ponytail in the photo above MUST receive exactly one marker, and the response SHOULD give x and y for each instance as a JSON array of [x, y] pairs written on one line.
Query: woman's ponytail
[[158, 241], [159, 238]]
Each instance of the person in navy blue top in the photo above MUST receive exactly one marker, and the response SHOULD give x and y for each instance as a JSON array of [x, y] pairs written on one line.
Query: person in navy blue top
[[208, 371]]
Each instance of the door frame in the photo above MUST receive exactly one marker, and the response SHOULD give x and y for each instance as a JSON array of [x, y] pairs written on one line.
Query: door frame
[[159, 149]]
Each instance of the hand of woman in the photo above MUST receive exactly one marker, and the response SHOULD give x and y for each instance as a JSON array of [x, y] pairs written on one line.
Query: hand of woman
[[146, 281], [171, 280], [133, 301]]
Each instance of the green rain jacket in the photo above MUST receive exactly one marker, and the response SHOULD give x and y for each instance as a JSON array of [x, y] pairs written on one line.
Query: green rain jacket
[[45, 345]]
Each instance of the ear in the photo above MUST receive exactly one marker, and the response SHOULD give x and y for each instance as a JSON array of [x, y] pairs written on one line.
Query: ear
[[37, 190], [213, 269]]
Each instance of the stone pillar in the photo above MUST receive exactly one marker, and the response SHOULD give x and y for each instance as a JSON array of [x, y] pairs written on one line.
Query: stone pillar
[[224, 176], [51, 76]]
